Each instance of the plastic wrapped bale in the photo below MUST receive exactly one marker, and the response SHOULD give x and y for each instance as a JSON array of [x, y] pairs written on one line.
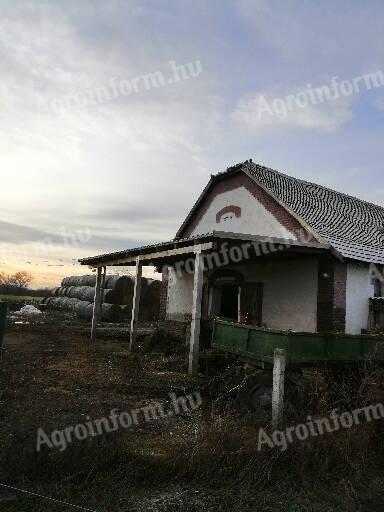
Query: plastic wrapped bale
[[150, 302], [84, 310], [109, 312], [79, 281], [121, 284], [89, 280], [87, 293], [112, 282]]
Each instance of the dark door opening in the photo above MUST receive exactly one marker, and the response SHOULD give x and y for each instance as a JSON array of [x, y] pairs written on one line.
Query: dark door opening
[[230, 302]]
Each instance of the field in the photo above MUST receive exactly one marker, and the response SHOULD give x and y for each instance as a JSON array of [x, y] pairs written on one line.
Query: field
[[52, 377], [21, 298]]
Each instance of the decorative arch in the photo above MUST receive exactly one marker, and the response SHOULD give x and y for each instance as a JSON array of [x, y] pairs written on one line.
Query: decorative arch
[[226, 276], [236, 210]]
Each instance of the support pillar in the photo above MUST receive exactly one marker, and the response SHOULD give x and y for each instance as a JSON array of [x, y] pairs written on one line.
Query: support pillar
[[196, 314], [96, 303], [104, 275], [135, 305], [279, 363]]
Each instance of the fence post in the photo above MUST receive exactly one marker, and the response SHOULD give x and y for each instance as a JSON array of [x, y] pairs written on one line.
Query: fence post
[[279, 363]]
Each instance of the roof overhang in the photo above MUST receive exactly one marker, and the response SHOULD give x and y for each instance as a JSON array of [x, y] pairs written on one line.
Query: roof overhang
[[176, 249]]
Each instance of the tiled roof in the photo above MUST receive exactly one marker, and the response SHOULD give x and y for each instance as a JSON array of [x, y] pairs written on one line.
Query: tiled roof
[[355, 228]]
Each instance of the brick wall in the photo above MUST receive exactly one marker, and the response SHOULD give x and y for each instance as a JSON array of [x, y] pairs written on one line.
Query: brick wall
[[332, 296]]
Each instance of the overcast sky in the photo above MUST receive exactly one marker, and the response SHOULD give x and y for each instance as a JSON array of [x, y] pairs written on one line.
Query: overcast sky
[[95, 158]]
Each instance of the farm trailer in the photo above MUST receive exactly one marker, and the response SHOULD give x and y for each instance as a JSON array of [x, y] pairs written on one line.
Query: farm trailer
[[285, 352]]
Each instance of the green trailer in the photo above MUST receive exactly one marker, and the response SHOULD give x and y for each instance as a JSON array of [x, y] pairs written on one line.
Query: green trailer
[[3, 315], [301, 349], [282, 355]]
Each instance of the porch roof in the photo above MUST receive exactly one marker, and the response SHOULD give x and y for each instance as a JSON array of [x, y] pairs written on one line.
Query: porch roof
[[180, 247]]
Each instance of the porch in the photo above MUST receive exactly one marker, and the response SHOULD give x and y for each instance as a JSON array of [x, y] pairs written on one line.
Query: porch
[[223, 274]]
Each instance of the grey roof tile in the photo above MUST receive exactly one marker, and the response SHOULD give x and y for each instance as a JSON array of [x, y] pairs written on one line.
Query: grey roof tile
[[350, 225]]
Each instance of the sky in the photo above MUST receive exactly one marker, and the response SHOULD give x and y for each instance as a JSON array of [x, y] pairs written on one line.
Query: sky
[[98, 154]]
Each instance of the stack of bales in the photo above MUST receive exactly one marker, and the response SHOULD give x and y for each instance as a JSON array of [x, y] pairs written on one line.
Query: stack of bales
[[76, 294], [150, 300]]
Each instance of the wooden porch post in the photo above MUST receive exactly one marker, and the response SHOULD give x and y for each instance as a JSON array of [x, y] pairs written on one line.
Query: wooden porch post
[[96, 303], [104, 275], [196, 313], [135, 305], [279, 362]]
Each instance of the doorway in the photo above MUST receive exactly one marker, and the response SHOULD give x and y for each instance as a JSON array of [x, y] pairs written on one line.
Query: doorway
[[229, 307], [224, 288]]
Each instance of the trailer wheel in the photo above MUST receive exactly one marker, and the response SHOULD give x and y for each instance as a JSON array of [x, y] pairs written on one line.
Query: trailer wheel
[[257, 393]]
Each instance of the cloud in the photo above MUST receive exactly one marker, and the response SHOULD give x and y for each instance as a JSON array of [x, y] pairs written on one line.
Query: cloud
[[266, 112], [379, 103], [122, 152], [16, 233], [312, 36], [130, 169]]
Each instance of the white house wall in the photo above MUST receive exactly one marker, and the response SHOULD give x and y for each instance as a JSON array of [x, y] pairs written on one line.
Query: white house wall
[[255, 218], [290, 293], [180, 291], [359, 290]]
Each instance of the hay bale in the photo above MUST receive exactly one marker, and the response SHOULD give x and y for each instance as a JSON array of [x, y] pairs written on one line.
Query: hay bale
[[84, 309]]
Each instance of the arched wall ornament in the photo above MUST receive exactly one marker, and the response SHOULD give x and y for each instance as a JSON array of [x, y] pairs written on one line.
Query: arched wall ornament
[[225, 276], [236, 210]]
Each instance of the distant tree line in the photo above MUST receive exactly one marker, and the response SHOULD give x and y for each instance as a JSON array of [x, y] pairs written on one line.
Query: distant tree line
[[18, 284]]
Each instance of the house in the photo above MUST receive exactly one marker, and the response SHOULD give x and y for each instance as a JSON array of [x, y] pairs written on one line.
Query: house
[[267, 249]]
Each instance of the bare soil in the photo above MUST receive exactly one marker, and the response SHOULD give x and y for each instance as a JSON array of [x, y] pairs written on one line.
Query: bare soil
[[52, 377]]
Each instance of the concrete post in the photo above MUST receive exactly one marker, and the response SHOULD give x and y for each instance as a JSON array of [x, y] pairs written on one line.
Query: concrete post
[[96, 303], [279, 363], [135, 305], [196, 314]]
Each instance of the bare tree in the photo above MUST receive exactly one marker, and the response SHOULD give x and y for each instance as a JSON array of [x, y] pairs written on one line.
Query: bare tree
[[22, 279], [17, 281]]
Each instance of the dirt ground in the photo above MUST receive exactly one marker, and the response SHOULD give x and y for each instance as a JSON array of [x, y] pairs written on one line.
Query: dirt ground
[[52, 377]]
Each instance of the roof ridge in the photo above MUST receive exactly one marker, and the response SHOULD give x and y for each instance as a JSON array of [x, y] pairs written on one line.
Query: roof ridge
[[328, 189]]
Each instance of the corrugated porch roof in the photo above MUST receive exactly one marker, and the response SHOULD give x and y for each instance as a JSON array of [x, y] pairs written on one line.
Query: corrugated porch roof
[[172, 248]]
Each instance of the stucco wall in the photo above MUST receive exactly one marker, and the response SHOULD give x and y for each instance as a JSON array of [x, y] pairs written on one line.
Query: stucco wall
[[180, 291], [255, 218], [359, 290], [290, 293]]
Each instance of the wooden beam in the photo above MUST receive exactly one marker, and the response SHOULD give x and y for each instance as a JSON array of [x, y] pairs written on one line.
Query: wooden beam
[[194, 345], [136, 304], [96, 303], [154, 256], [279, 363]]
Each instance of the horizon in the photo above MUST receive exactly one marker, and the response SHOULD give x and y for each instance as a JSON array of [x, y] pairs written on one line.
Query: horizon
[[114, 117]]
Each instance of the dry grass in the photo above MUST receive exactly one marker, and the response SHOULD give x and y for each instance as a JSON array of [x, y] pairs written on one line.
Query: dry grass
[[52, 378]]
